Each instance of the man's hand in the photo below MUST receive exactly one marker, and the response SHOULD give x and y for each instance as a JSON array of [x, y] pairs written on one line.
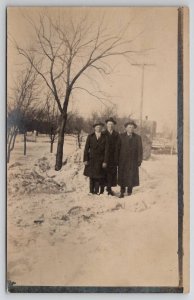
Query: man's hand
[[86, 163], [104, 165]]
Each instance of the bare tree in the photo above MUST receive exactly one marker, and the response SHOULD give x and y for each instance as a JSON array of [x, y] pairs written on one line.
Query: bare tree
[[75, 125], [110, 111], [107, 112], [52, 119], [64, 51], [20, 106], [12, 130]]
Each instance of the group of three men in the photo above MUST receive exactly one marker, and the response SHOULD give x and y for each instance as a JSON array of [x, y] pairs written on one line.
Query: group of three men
[[111, 158]]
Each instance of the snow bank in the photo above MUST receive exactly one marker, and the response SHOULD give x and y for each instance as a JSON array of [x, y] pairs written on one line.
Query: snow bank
[[40, 177]]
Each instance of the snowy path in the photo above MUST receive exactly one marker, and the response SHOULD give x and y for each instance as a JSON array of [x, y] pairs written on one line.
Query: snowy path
[[75, 239]]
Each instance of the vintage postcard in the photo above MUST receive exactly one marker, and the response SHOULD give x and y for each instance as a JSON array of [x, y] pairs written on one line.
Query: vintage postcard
[[98, 149]]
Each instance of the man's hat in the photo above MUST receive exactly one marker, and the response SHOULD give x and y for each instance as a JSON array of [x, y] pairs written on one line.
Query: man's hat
[[130, 123], [98, 123], [111, 120]]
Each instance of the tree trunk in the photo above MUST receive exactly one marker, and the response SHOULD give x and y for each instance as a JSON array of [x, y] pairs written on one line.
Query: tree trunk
[[8, 154], [60, 143], [11, 144], [25, 143], [51, 147], [9, 147], [8, 136], [78, 140]]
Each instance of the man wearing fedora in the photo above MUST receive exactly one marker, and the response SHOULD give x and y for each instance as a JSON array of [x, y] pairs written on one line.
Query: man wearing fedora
[[96, 157], [111, 170], [130, 155]]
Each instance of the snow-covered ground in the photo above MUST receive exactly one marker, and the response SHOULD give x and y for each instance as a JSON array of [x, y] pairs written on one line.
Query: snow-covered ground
[[59, 235]]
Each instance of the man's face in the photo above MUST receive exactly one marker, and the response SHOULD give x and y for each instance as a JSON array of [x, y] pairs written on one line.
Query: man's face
[[98, 128], [130, 128], [110, 125]]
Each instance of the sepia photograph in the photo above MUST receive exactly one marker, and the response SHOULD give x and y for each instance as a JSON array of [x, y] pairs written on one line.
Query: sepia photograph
[[97, 149]]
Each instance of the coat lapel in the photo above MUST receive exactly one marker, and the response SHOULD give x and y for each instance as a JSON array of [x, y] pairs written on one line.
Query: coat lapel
[[127, 141], [96, 142], [107, 133], [100, 140]]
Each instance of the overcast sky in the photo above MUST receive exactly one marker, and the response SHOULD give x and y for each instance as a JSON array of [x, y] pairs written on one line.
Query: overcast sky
[[150, 28]]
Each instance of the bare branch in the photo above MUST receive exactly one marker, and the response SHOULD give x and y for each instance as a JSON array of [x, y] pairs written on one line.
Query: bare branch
[[101, 99], [66, 49]]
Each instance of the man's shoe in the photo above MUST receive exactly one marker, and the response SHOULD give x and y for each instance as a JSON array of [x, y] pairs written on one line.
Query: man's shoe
[[110, 192], [102, 190], [129, 191], [96, 193], [121, 195]]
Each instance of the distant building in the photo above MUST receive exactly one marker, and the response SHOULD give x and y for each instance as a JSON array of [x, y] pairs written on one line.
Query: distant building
[[148, 133]]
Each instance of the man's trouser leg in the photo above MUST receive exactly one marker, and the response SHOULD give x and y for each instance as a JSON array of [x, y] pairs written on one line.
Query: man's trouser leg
[[122, 189], [129, 190], [92, 185], [96, 186], [102, 186], [108, 184], [109, 181]]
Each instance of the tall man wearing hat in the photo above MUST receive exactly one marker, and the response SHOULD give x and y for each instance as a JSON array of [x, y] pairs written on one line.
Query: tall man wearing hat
[[130, 155], [96, 157], [111, 170]]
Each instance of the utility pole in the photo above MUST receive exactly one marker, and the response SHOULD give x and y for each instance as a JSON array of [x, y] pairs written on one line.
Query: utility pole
[[142, 66]]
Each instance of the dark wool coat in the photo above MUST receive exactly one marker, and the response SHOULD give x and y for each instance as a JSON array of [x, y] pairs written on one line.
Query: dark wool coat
[[95, 152], [111, 171], [130, 154]]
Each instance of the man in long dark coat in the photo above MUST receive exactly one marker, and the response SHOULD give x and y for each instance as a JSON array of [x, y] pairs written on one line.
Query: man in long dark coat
[[96, 157], [129, 159], [111, 170]]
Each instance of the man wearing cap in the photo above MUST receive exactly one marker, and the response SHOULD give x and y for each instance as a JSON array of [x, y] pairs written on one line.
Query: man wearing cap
[[130, 155], [96, 157], [111, 170]]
